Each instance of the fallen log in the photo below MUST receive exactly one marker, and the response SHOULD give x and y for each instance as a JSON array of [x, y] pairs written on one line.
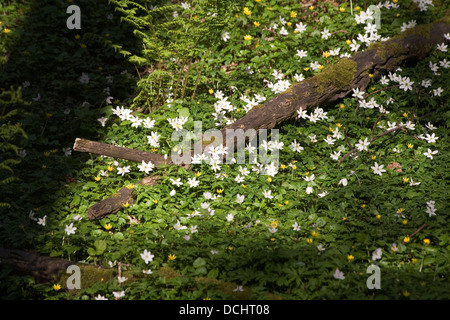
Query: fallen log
[[99, 148], [116, 202]]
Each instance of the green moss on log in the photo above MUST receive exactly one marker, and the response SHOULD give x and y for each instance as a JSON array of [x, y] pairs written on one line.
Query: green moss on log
[[384, 49], [339, 75]]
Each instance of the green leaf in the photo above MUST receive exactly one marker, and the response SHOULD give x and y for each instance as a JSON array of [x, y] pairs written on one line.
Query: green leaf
[[213, 273], [199, 262], [100, 246]]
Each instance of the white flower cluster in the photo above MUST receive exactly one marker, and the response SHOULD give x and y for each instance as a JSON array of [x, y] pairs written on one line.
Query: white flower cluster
[[423, 4]]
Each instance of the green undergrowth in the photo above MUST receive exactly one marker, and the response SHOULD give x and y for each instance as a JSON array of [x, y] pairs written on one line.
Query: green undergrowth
[[309, 228]]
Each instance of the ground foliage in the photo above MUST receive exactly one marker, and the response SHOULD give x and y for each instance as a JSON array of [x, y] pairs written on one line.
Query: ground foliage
[[138, 70]]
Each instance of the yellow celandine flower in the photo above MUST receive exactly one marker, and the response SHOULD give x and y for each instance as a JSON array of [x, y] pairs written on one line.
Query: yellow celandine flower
[[56, 287], [405, 221], [256, 23], [400, 210], [426, 241], [46, 154], [363, 206], [397, 15], [321, 67], [198, 173], [315, 234], [230, 248], [269, 179], [172, 257], [211, 91], [370, 76], [97, 178], [357, 8], [110, 168], [44, 166], [405, 180], [311, 8], [406, 239], [107, 226], [294, 167], [306, 69], [394, 1], [283, 166], [155, 201], [409, 145], [256, 46], [154, 149], [309, 240], [406, 293], [338, 125], [378, 216], [125, 205], [348, 41], [129, 186], [293, 14], [219, 190], [247, 11], [350, 257], [342, 9], [289, 24], [77, 36], [237, 16], [6, 30], [257, 0], [344, 218], [342, 106], [247, 37], [413, 260], [286, 202], [325, 54], [373, 157], [244, 186], [207, 298], [272, 239], [274, 224], [405, 114]]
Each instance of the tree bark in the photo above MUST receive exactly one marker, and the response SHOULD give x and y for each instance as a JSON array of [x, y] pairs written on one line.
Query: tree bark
[[115, 203], [83, 145]]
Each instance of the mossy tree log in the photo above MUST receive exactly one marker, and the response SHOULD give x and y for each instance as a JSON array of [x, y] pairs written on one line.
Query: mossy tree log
[[337, 81], [99, 148]]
